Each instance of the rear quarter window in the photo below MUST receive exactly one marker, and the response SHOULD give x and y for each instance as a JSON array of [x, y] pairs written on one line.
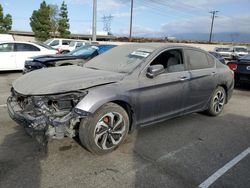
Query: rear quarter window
[[197, 59], [7, 47], [211, 60]]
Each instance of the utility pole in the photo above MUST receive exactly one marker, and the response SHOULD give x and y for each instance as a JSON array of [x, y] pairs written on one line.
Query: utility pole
[[131, 20], [94, 20], [212, 24]]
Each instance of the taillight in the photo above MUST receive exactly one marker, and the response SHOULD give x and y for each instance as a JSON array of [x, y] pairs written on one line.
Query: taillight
[[232, 66]]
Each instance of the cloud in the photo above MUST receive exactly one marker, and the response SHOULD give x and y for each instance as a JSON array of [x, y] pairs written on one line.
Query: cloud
[[202, 25], [121, 14], [235, 24], [197, 5]]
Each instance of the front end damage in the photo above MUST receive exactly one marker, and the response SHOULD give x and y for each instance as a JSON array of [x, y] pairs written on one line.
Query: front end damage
[[47, 116]]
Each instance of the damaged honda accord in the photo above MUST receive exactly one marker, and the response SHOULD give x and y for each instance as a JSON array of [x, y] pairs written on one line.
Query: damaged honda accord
[[128, 87]]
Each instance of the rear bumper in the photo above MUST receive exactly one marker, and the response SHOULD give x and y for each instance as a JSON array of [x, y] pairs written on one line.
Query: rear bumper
[[242, 77]]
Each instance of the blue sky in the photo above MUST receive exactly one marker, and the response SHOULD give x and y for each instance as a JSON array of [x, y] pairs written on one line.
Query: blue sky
[[151, 17]]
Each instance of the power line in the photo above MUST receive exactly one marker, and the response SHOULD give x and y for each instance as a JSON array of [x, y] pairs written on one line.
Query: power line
[[212, 24], [168, 5]]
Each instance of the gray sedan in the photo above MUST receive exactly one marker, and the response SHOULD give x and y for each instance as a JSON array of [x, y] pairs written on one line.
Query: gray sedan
[[128, 87]]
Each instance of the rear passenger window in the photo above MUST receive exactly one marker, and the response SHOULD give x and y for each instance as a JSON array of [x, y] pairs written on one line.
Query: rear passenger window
[[65, 42], [197, 59], [25, 47]]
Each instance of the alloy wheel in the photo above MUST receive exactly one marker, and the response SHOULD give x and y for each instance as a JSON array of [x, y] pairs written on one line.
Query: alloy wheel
[[109, 130], [219, 101]]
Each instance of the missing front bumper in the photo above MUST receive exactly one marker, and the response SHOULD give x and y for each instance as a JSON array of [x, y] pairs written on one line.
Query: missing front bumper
[[41, 127]]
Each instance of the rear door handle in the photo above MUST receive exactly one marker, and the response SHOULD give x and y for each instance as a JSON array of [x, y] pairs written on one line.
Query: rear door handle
[[213, 73]]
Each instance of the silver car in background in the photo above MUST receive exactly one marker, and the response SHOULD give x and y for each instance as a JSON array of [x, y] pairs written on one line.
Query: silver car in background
[[128, 87]]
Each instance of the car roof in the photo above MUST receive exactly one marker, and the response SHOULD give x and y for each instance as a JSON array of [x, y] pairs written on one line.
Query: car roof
[[18, 42], [239, 47], [154, 46]]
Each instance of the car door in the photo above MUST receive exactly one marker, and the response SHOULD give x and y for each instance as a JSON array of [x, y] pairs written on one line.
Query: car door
[[7, 56], [203, 78], [24, 51], [163, 97]]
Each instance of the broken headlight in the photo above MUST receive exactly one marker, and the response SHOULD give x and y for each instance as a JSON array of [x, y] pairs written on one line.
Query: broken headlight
[[58, 105]]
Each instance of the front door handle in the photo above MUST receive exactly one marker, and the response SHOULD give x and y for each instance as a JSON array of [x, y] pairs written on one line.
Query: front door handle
[[183, 78]]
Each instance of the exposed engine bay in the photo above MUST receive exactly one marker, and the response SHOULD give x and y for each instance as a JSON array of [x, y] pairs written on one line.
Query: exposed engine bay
[[48, 115]]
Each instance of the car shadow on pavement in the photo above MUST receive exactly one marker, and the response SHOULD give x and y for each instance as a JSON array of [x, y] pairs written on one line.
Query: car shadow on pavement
[[182, 152], [20, 160]]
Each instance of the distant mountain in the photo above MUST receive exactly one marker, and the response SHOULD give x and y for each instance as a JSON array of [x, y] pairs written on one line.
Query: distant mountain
[[224, 37]]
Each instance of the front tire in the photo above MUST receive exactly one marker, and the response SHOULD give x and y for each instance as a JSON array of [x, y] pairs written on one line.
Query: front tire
[[105, 130], [217, 102]]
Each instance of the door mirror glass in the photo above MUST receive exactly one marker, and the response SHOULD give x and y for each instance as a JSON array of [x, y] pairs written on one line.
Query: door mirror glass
[[155, 70]]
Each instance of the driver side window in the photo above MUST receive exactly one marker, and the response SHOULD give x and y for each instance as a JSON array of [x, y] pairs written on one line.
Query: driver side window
[[172, 60]]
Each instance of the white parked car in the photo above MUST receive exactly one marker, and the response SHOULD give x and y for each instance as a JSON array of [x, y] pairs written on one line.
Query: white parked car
[[59, 44], [77, 43], [14, 53], [239, 51], [224, 52]]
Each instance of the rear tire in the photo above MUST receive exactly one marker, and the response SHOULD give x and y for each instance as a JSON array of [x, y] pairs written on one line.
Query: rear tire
[[217, 102], [105, 130]]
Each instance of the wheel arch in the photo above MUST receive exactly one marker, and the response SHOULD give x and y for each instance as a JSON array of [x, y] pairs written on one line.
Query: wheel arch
[[224, 86], [128, 108]]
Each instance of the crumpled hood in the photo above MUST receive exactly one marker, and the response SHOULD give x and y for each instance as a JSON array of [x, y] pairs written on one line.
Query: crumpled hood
[[62, 79], [57, 57]]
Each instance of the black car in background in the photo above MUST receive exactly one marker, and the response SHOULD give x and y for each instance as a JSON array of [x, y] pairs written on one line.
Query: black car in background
[[218, 56], [78, 56], [241, 69]]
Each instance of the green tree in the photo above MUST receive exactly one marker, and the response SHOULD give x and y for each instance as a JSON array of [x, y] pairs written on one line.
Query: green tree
[[63, 24], [40, 22], [54, 18], [5, 21]]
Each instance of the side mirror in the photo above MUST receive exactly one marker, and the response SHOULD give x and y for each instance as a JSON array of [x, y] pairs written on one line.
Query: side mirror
[[155, 70]]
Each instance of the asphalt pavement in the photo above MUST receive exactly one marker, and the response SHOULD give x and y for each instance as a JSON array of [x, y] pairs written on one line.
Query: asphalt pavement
[[182, 152]]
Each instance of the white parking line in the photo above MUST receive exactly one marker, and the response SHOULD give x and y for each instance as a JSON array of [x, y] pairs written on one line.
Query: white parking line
[[3, 105], [224, 169]]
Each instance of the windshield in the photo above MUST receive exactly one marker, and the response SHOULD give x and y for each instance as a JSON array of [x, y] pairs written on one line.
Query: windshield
[[45, 46], [72, 43], [240, 49], [84, 51], [121, 59], [48, 41], [222, 49]]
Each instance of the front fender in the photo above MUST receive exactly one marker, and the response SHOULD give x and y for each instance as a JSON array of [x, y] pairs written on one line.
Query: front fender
[[97, 97]]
